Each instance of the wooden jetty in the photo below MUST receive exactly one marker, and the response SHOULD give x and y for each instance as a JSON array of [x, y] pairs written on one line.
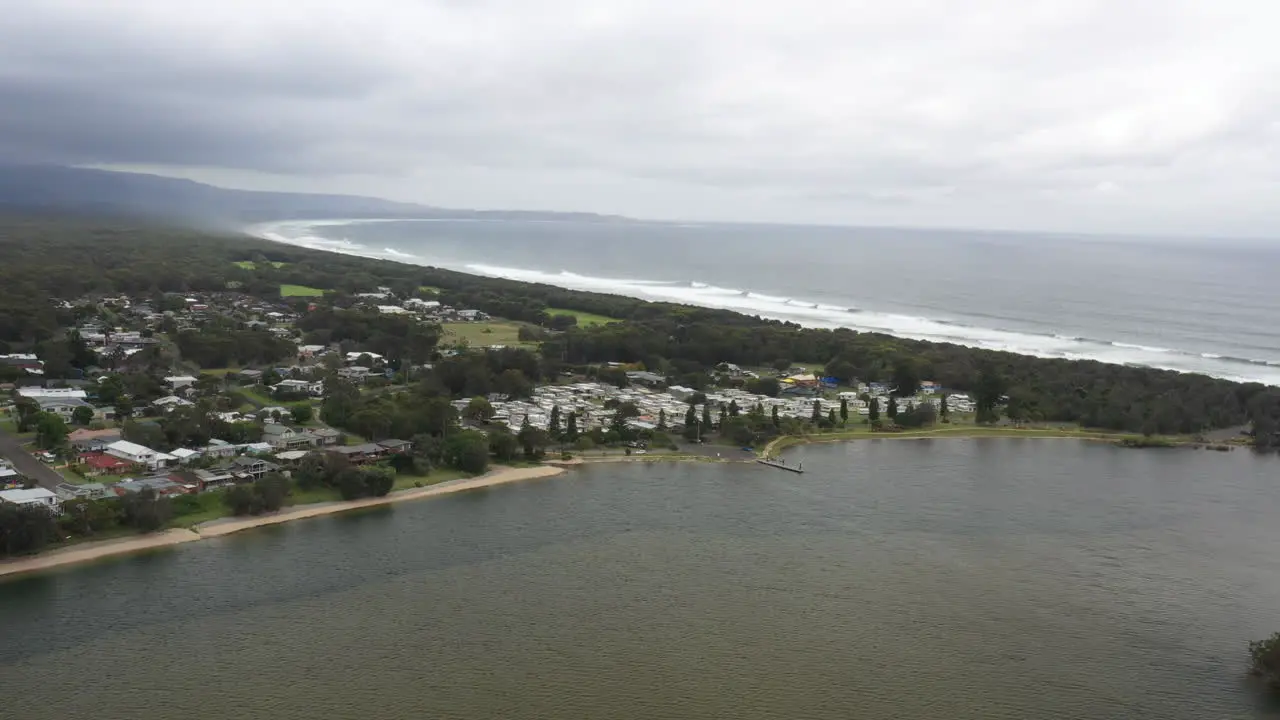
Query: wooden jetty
[[781, 465]]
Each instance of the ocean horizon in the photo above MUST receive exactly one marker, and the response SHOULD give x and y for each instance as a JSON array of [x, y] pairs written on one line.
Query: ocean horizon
[[1182, 304]]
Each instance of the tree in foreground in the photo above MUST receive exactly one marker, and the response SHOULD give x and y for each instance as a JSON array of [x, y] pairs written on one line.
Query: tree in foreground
[[1264, 660]]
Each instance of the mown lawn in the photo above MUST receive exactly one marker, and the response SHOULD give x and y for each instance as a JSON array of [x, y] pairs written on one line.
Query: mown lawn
[[585, 319], [483, 334], [300, 291]]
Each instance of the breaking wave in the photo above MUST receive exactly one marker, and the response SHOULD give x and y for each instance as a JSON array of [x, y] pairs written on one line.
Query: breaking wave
[[814, 314]]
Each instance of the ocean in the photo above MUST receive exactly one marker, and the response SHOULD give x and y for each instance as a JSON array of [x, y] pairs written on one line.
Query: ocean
[[1205, 306], [986, 579]]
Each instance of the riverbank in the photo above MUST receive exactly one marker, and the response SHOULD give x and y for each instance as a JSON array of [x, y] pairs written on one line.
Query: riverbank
[[98, 550], [972, 431]]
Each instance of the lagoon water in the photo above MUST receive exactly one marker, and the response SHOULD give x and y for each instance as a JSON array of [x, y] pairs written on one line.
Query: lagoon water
[[945, 579], [1195, 305]]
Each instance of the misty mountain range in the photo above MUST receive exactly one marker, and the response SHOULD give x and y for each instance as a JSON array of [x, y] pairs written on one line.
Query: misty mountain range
[[81, 191]]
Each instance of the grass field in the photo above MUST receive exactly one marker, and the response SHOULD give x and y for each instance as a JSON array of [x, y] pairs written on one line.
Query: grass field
[[482, 334], [585, 319], [429, 289], [258, 399], [219, 372], [251, 265], [300, 291]]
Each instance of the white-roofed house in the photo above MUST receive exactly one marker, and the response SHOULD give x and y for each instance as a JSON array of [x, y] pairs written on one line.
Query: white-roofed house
[[61, 393], [32, 496], [136, 454]]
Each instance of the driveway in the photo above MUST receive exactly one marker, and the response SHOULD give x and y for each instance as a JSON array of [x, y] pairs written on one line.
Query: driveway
[[26, 463]]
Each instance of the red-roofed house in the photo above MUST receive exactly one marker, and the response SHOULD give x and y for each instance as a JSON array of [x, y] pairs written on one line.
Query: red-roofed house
[[103, 464]]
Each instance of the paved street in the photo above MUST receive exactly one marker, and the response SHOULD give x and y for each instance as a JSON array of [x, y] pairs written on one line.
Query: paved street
[[25, 463]]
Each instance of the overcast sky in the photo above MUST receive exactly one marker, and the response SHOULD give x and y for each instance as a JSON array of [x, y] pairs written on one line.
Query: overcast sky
[[1124, 115]]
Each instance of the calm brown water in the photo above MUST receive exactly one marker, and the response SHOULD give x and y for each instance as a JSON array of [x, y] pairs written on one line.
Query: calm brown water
[[937, 579]]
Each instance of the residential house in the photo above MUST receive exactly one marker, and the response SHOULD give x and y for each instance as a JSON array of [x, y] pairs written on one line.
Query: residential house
[[283, 437], [208, 479], [64, 408], [185, 455], [219, 449], [178, 382], [354, 357], [396, 447], [10, 477], [137, 454], [60, 393], [32, 496], [420, 305], [169, 402], [26, 361], [86, 440], [253, 467], [87, 491], [354, 373], [326, 436], [314, 388], [291, 458], [251, 375], [359, 454], [102, 464], [162, 484]]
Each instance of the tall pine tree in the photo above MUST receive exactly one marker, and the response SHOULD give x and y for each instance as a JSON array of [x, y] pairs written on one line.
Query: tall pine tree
[[553, 425]]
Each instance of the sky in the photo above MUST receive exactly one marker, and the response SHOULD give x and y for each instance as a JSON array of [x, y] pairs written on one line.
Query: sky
[[1151, 116]]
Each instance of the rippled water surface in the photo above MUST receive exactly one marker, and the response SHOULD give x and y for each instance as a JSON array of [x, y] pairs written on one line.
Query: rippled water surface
[[895, 579]]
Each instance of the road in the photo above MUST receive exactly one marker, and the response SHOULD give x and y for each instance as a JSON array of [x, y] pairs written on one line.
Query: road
[[26, 463]]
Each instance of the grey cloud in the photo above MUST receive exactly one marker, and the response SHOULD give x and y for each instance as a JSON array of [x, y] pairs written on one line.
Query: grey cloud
[[1005, 114]]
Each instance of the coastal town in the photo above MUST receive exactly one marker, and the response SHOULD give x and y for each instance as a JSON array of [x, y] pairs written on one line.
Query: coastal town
[[112, 427]]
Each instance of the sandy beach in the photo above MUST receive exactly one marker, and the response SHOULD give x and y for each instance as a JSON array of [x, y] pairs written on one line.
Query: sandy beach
[[91, 551]]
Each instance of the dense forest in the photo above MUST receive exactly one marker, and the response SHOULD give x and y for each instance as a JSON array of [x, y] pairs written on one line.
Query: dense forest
[[46, 260]]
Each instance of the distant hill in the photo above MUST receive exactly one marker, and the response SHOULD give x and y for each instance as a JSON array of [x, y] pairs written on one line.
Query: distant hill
[[85, 192]]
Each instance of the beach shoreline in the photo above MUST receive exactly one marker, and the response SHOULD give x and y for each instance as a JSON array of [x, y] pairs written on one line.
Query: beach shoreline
[[103, 549]]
